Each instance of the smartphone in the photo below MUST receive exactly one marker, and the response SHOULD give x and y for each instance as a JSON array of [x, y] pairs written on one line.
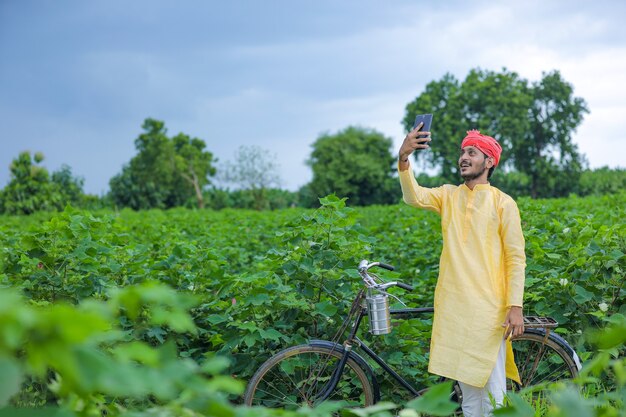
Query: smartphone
[[427, 119]]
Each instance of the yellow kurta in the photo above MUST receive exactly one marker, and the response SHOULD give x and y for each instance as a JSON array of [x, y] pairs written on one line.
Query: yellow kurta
[[481, 274]]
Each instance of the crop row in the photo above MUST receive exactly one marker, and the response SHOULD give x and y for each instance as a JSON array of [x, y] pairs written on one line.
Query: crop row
[[266, 280]]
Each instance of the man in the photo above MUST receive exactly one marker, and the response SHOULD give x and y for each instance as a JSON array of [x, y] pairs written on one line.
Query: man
[[478, 298]]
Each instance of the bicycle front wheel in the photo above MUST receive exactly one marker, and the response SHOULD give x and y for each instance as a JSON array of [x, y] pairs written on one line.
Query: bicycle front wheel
[[540, 359], [298, 375]]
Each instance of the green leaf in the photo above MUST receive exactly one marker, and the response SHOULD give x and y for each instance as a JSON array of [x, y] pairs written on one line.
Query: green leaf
[[326, 308], [271, 334], [218, 318], [333, 201], [137, 351], [582, 295], [215, 365], [250, 340], [597, 365], [435, 401], [11, 376], [227, 384], [368, 411], [178, 320], [36, 412], [593, 248], [570, 403], [258, 299], [158, 333], [517, 407], [219, 409], [248, 325], [613, 335]]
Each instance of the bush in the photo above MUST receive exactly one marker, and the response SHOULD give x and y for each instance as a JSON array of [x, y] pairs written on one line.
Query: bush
[[267, 280], [602, 181]]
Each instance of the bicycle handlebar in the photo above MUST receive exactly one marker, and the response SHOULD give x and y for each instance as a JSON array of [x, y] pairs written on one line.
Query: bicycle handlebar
[[386, 266], [364, 266], [405, 286]]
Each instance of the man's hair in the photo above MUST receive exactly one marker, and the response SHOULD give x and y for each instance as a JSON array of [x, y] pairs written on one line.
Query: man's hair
[[490, 173]]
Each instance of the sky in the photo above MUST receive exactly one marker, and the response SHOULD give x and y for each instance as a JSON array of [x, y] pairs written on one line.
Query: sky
[[78, 78]]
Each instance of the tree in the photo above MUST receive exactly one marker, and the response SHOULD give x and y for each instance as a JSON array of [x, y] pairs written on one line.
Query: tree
[[193, 163], [354, 163], [69, 186], [165, 173], [29, 189], [602, 181], [532, 122], [546, 151], [253, 169]]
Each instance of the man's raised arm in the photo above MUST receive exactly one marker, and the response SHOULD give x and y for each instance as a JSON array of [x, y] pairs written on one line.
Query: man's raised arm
[[412, 193], [413, 141]]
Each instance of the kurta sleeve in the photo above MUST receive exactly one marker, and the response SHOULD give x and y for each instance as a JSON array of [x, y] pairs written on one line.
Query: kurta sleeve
[[417, 196], [514, 255]]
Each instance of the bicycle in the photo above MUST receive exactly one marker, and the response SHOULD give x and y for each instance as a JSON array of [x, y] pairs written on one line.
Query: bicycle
[[324, 370]]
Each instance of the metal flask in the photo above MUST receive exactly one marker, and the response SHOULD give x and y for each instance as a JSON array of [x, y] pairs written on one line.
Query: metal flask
[[378, 312]]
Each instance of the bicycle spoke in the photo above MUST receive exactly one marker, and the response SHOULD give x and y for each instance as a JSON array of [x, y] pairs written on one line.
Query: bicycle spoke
[[555, 374], [296, 386], [541, 360], [529, 356], [316, 376], [284, 397], [536, 361], [320, 375], [301, 375], [306, 383], [288, 381]]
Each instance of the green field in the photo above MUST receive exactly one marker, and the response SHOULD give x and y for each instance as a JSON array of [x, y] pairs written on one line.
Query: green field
[[256, 282]]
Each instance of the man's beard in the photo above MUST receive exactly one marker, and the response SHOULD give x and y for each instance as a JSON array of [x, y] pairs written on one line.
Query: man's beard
[[470, 177]]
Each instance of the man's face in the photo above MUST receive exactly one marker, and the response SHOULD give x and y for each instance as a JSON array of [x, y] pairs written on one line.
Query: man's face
[[473, 162]]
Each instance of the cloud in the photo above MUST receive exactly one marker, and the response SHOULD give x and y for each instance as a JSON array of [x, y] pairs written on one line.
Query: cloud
[[279, 76], [296, 89]]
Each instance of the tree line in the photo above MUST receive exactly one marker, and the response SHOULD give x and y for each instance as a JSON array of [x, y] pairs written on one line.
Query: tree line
[[533, 122]]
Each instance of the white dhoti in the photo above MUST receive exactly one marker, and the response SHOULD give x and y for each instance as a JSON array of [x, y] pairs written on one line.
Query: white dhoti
[[477, 402]]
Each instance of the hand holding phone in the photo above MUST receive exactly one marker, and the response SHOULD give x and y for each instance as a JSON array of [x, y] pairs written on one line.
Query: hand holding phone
[[426, 119], [414, 140]]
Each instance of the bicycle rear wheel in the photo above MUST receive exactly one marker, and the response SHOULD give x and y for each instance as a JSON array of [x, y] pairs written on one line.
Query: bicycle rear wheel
[[298, 375], [540, 359]]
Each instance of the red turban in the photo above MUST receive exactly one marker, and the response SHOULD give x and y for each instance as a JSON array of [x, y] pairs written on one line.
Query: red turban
[[486, 144]]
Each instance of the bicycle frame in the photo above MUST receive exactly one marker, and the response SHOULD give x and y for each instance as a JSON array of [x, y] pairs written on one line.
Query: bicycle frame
[[400, 313], [353, 341], [542, 325], [317, 358]]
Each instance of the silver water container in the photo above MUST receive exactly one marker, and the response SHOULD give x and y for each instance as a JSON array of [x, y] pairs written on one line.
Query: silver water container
[[378, 312]]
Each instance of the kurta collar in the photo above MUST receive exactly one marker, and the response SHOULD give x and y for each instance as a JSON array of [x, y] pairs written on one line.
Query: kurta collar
[[477, 187]]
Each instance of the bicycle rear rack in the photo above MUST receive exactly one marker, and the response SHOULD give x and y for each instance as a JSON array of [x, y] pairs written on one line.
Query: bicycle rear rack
[[543, 322]]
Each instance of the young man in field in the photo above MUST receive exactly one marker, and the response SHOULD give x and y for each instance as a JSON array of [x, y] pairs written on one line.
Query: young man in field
[[478, 298]]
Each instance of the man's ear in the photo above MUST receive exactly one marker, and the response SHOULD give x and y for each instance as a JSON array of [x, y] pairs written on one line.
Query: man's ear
[[490, 162]]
